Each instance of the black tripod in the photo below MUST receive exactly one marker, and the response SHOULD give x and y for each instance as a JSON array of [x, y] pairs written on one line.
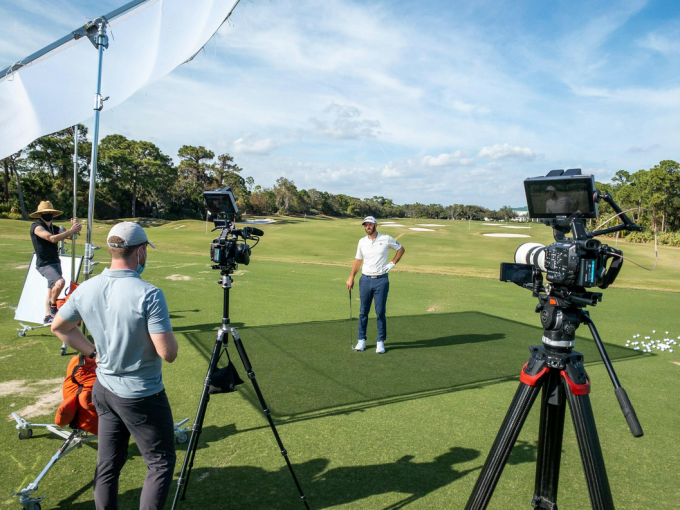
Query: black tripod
[[558, 370], [220, 343]]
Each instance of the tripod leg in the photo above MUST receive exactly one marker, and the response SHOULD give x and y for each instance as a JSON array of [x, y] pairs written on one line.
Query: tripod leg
[[551, 432], [183, 481], [251, 375], [577, 386], [525, 396]]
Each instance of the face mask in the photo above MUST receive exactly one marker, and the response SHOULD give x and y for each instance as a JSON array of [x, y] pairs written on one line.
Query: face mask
[[140, 268], [47, 217]]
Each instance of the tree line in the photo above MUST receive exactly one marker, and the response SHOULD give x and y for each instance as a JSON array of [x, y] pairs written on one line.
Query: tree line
[[135, 178]]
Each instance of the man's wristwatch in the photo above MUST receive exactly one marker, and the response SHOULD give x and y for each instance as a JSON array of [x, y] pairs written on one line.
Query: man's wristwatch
[[93, 355]]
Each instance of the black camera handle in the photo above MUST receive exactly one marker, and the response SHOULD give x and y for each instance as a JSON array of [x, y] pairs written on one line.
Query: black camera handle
[[627, 224]]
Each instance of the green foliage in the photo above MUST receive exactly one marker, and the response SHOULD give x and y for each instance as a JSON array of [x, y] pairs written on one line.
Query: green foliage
[[136, 179]]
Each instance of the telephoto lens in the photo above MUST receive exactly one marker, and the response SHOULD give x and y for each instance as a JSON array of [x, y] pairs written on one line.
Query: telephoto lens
[[531, 253]]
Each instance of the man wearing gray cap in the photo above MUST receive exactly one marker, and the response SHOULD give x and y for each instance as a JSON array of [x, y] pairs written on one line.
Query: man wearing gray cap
[[130, 324], [373, 284]]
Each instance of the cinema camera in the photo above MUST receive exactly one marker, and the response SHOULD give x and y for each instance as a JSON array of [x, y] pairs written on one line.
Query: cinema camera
[[226, 251], [572, 266]]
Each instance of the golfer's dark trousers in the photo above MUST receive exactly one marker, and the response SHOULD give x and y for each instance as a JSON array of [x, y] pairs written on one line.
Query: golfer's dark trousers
[[373, 289], [149, 421]]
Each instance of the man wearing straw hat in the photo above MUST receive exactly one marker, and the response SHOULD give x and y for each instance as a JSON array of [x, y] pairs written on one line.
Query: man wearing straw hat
[[45, 237]]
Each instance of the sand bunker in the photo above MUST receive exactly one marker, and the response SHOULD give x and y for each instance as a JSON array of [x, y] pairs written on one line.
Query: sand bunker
[[177, 277], [506, 235], [258, 222], [430, 225], [422, 229], [391, 225], [511, 226]]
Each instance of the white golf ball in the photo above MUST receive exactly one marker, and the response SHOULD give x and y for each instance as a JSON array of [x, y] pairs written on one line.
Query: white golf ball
[[670, 350], [666, 332], [654, 331], [636, 349]]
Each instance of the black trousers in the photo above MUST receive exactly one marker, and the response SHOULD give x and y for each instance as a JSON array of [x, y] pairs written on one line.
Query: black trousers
[[149, 421]]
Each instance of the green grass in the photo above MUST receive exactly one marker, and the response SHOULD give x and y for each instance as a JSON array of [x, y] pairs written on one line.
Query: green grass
[[411, 427]]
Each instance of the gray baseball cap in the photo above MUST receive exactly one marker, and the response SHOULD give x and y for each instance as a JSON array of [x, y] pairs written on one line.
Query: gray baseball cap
[[131, 233], [369, 219]]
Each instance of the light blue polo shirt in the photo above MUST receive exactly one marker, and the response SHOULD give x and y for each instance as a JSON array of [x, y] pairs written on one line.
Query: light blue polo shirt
[[120, 310]]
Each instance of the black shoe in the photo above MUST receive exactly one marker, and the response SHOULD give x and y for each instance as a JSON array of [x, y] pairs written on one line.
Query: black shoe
[[48, 319]]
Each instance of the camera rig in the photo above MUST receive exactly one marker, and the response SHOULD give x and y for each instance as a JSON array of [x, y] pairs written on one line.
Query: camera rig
[[572, 266], [226, 251]]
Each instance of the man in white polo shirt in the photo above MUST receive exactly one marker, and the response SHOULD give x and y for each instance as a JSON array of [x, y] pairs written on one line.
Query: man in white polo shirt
[[373, 284]]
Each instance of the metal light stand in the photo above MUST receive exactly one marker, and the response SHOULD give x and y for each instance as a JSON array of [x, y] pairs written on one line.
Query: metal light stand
[[101, 42], [220, 343], [557, 370]]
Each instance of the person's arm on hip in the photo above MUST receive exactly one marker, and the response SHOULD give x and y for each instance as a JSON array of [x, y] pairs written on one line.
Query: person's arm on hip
[[397, 257], [68, 332]]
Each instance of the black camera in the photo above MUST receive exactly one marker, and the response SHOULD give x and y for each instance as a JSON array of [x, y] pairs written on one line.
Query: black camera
[[226, 251], [562, 200]]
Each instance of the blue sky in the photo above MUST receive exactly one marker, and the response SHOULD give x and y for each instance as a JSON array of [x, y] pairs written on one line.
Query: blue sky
[[435, 102]]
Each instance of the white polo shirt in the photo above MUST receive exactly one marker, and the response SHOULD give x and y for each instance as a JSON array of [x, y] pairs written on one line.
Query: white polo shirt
[[374, 253]]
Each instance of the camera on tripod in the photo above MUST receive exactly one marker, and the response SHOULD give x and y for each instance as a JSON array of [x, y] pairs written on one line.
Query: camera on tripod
[[226, 251], [562, 200], [572, 266]]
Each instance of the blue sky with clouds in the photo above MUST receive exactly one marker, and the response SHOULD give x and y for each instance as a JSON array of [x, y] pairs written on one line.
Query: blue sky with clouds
[[444, 102]]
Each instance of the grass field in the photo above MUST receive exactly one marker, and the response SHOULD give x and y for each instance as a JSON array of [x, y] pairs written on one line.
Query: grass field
[[410, 428]]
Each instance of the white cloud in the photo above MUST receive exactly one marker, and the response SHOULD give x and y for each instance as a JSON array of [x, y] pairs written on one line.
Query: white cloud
[[390, 171], [649, 148], [507, 151], [663, 41], [344, 122], [454, 159], [247, 144]]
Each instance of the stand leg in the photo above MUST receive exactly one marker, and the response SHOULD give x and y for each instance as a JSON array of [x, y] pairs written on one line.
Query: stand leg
[[251, 375], [505, 440], [550, 434], [589, 447], [182, 481]]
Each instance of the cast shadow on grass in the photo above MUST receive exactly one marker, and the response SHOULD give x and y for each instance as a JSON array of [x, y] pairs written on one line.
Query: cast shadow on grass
[[254, 487], [306, 370]]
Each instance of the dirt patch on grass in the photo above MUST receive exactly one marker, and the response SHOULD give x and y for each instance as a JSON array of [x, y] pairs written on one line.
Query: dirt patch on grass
[[179, 277], [676, 363], [25, 266], [48, 392], [432, 308]]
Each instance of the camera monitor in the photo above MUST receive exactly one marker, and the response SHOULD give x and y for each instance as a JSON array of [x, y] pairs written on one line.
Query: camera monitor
[[560, 194], [221, 203]]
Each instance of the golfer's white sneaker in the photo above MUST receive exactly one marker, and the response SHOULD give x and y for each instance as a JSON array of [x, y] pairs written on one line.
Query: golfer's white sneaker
[[380, 348], [361, 345]]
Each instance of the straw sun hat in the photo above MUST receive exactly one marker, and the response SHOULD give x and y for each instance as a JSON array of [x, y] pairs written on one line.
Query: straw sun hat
[[45, 207]]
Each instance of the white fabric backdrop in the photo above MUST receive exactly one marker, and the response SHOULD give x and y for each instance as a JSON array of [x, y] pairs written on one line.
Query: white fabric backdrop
[[31, 307], [57, 90]]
